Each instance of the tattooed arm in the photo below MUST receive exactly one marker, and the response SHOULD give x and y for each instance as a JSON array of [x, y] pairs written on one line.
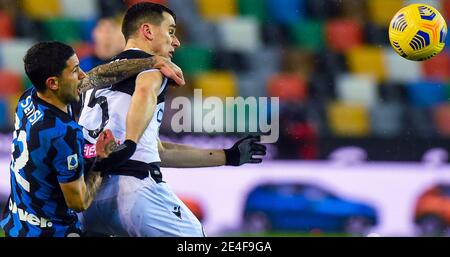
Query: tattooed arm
[[114, 72], [80, 193]]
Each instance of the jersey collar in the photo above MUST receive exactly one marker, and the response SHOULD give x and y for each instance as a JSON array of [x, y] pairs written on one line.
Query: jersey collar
[[56, 110]]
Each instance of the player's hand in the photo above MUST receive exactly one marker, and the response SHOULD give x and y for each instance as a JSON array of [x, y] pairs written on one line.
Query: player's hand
[[106, 143], [118, 156], [169, 69], [244, 150]]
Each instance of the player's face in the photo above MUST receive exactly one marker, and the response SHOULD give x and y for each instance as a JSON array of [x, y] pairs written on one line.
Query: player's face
[[70, 80], [165, 41]]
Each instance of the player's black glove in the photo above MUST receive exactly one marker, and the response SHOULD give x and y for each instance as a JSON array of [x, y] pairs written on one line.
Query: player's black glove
[[243, 151], [117, 157]]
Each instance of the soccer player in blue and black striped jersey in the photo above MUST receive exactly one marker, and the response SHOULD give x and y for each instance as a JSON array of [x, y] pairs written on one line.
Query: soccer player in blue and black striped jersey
[[48, 183]]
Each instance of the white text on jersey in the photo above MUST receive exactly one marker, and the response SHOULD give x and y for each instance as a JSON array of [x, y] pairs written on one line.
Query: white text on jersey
[[30, 111], [29, 217]]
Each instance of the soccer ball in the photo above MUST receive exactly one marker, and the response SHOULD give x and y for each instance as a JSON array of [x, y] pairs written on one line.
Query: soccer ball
[[417, 32]]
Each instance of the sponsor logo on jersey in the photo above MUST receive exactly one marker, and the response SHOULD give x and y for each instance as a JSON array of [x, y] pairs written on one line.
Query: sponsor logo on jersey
[[72, 162], [89, 151], [29, 217]]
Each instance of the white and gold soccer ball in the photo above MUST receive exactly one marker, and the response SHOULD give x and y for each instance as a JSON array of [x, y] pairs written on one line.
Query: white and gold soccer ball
[[417, 32]]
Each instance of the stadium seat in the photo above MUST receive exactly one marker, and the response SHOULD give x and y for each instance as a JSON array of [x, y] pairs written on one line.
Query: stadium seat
[[10, 83], [359, 89], [267, 60], [367, 60], [42, 9], [446, 88], [419, 122], [348, 120], [438, 67], [252, 84], [202, 33], [426, 94], [216, 10], [382, 11], [291, 59], [323, 9], [387, 119], [218, 83], [71, 9], [322, 88], [353, 9], [393, 92], [231, 60], [7, 25], [329, 62], [275, 35], [317, 116], [239, 34], [285, 11], [399, 69], [194, 59], [252, 8], [12, 53], [288, 87], [441, 118], [375, 34], [27, 28], [308, 34], [343, 34], [63, 29], [186, 10]]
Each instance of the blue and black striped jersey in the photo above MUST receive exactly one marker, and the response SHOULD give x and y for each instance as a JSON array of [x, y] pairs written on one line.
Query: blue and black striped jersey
[[46, 150]]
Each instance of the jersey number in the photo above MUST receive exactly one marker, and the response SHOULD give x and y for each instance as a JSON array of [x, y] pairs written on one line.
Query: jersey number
[[19, 163], [103, 103]]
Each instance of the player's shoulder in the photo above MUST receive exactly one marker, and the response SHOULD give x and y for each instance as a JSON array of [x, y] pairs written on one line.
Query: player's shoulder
[[52, 126], [55, 123]]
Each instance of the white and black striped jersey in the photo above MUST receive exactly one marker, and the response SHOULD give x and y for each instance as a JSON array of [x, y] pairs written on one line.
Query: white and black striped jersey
[[108, 108]]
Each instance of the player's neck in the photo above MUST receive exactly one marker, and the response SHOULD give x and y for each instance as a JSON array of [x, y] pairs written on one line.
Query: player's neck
[[136, 43], [53, 100]]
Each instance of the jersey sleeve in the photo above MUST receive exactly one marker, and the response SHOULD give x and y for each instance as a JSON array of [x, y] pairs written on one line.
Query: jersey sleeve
[[69, 158]]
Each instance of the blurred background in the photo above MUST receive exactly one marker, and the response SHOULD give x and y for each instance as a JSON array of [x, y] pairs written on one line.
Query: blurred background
[[364, 134]]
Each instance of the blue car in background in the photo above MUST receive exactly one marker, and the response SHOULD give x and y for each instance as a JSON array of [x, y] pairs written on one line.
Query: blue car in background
[[306, 208]]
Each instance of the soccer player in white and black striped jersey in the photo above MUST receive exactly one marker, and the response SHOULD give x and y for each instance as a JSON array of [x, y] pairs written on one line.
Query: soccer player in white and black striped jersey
[[133, 199]]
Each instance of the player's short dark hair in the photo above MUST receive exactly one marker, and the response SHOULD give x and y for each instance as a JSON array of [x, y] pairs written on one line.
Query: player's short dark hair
[[143, 12], [44, 60]]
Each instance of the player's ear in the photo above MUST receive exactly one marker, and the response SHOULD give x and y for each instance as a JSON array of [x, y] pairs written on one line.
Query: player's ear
[[52, 83], [146, 31]]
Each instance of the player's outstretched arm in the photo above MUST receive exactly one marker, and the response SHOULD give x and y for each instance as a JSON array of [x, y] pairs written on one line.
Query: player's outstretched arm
[[183, 156], [114, 72]]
